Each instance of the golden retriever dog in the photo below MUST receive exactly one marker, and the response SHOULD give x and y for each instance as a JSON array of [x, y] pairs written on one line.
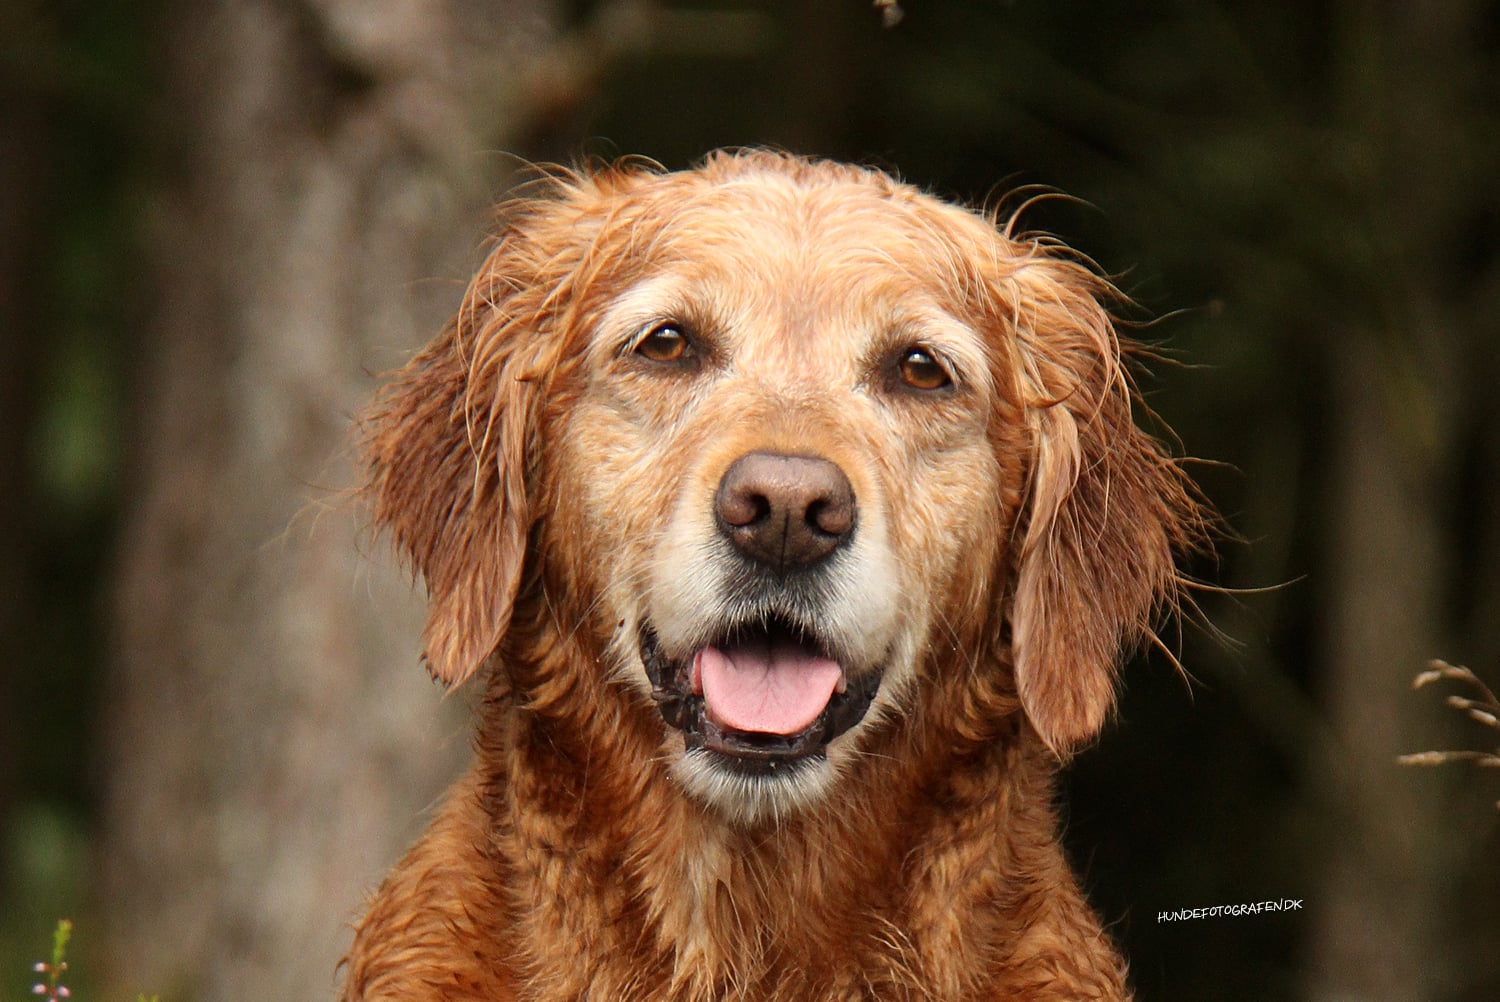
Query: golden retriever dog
[[795, 523]]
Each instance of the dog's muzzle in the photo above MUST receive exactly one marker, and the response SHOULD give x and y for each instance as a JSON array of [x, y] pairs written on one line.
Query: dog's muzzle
[[767, 690]]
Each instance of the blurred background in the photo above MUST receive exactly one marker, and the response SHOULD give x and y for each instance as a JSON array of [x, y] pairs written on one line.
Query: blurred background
[[219, 219]]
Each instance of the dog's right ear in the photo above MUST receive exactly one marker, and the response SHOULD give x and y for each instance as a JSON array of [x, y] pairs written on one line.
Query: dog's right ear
[[1109, 509], [447, 449]]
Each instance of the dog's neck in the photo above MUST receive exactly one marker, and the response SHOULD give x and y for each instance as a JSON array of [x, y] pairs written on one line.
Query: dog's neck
[[859, 896]]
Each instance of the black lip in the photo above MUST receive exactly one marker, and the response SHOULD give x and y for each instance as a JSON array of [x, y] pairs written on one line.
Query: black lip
[[745, 752]]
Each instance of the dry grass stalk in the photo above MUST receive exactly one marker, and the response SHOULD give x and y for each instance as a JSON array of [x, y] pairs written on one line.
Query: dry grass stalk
[[1485, 709]]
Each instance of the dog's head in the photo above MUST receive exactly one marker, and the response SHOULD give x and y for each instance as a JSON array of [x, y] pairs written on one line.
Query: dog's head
[[789, 439]]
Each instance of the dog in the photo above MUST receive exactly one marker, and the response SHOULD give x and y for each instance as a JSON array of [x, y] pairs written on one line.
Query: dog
[[796, 522]]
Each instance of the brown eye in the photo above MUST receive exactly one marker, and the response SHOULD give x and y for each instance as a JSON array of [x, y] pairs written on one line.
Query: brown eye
[[921, 371], [666, 343]]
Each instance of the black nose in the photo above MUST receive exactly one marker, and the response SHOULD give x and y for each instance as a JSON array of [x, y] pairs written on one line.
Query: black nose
[[787, 512]]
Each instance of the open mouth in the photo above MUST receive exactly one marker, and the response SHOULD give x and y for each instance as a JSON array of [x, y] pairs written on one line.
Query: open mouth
[[763, 696]]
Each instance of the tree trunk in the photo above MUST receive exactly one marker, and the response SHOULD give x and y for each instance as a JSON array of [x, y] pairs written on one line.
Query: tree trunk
[[271, 737], [1382, 929], [1379, 909], [24, 171]]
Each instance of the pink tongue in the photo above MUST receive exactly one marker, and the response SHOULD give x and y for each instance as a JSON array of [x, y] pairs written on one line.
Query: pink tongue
[[775, 690]]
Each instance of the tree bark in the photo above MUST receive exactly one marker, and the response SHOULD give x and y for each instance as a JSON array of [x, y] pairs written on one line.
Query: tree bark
[[1379, 909], [271, 737], [1382, 912], [24, 171]]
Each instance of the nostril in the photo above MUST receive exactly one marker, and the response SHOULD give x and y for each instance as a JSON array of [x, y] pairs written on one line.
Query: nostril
[[833, 516], [742, 506]]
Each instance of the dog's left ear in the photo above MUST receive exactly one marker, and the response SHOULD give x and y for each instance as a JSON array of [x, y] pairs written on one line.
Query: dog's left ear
[[448, 445], [1107, 508]]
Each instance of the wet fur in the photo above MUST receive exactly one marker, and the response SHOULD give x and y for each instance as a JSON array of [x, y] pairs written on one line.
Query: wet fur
[[547, 488]]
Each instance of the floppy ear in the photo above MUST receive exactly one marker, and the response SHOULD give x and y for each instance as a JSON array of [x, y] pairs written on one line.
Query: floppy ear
[[1107, 508], [447, 445]]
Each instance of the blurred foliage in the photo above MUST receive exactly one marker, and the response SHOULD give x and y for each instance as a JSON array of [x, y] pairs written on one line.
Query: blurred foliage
[[1273, 178], [76, 75]]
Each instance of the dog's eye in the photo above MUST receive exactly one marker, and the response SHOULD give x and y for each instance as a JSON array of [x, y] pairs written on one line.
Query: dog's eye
[[665, 343], [919, 370]]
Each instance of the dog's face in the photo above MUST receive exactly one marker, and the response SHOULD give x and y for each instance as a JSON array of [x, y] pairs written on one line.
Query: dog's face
[[781, 443], [790, 440]]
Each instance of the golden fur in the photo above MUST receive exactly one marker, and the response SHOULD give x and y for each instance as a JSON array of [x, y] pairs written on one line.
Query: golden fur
[[554, 487]]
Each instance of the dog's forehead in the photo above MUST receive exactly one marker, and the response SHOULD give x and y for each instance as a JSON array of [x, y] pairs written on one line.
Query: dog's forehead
[[775, 225], [804, 261]]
